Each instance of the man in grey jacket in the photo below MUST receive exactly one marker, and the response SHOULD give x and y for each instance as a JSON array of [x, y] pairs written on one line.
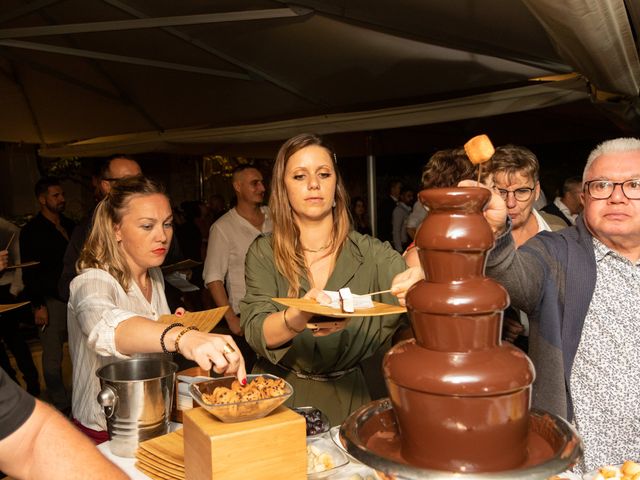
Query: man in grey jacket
[[580, 287]]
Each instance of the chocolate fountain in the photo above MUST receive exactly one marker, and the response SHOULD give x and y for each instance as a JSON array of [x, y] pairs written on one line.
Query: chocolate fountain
[[459, 398]]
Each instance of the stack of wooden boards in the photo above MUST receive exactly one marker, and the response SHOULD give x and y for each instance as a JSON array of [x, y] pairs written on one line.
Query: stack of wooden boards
[[162, 458]]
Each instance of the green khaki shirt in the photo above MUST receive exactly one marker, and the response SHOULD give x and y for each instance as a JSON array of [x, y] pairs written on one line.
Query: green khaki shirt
[[364, 265]]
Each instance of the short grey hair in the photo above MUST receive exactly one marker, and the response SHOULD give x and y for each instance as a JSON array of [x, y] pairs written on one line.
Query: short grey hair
[[617, 145]]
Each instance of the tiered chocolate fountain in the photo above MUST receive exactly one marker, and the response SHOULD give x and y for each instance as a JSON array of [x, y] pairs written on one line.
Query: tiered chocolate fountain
[[460, 399]]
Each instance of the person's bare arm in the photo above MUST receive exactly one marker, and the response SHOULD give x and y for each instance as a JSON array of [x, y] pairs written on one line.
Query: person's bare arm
[[219, 294], [142, 335], [48, 446]]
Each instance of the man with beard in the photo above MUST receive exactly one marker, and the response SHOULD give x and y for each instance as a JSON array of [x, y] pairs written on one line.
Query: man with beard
[[229, 240], [44, 239]]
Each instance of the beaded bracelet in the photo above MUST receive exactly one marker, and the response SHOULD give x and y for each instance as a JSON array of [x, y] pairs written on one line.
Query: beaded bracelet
[[164, 332], [181, 334], [286, 324]]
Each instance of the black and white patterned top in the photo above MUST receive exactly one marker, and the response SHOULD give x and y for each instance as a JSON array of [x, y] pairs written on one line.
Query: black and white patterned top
[[605, 378]]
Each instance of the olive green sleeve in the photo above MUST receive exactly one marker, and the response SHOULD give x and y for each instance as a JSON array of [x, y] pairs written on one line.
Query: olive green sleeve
[[263, 283], [389, 263]]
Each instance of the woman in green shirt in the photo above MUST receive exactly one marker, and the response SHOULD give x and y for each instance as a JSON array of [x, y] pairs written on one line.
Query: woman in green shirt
[[312, 248]]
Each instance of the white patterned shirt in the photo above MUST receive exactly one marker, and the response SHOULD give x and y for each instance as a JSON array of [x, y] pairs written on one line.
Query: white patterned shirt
[[97, 305], [229, 240], [605, 377]]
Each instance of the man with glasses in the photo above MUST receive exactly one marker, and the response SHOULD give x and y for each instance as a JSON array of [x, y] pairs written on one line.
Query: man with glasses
[[580, 287], [113, 168]]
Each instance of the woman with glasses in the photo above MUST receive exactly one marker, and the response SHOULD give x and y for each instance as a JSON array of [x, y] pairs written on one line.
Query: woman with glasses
[[515, 174], [515, 171]]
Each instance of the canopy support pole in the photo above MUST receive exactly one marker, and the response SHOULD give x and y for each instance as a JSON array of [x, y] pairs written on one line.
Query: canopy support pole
[[371, 185]]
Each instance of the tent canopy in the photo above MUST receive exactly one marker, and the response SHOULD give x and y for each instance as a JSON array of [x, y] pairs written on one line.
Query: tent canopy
[[90, 77]]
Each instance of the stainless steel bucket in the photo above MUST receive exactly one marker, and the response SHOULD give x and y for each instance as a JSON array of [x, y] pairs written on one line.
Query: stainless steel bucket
[[136, 397]]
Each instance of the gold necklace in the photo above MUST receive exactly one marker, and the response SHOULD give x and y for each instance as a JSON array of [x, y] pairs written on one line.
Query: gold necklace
[[316, 250]]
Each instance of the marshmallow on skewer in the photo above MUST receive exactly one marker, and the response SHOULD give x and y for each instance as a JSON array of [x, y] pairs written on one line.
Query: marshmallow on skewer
[[479, 149], [346, 300]]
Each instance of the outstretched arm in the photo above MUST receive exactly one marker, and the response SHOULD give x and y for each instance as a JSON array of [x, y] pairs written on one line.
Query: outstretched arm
[[48, 446]]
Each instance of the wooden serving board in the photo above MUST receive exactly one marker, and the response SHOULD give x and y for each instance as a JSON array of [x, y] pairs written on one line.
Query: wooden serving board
[[156, 473], [23, 265], [311, 306], [205, 320], [11, 306], [146, 458], [180, 266], [169, 448]]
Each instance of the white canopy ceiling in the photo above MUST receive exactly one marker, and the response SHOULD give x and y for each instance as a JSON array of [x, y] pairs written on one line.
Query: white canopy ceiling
[[90, 77]]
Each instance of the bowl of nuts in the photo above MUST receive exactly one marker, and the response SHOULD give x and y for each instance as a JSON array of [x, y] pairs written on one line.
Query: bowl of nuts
[[228, 401]]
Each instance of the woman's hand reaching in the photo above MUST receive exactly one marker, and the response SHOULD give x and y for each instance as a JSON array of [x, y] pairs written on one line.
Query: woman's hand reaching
[[403, 281], [318, 295], [210, 350], [324, 328]]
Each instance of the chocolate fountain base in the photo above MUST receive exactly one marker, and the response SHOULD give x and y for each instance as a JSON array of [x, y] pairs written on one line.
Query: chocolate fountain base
[[371, 436]]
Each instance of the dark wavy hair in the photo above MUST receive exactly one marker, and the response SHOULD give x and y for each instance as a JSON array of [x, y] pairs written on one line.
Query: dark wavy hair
[[447, 167]]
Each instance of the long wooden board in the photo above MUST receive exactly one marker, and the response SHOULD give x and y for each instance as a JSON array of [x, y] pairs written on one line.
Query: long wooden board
[[205, 320], [311, 306], [11, 306], [169, 448]]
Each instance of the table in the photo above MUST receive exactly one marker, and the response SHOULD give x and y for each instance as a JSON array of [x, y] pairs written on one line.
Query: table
[[128, 464]]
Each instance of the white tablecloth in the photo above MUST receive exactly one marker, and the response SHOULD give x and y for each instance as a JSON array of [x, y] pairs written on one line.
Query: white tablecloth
[[126, 464]]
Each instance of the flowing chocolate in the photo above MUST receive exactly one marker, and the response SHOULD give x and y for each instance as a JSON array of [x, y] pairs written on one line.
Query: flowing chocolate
[[461, 397]]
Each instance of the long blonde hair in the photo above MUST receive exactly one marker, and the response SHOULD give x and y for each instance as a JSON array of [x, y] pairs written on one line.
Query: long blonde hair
[[101, 248], [287, 250]]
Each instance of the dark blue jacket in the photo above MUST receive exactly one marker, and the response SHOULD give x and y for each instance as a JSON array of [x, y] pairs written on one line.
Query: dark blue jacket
[[552, 278]]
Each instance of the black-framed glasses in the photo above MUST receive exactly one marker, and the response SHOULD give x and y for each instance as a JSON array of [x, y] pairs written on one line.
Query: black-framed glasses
[[521, 194], [603, 189]]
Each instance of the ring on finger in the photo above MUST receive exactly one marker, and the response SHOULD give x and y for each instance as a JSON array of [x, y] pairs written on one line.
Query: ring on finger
[[227, 349]]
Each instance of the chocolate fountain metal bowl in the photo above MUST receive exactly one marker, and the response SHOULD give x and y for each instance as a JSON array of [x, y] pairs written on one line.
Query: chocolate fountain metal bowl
[[460, 399], [371, 435]]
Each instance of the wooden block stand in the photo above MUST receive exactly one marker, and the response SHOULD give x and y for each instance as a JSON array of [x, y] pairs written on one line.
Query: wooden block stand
[[273, 447]]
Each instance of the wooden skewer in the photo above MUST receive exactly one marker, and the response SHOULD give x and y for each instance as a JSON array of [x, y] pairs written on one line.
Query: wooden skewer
[[10, 241], [376, 293]]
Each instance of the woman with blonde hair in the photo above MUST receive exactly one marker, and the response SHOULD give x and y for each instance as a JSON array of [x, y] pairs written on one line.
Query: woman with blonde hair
[[118, 297], [313, 248]]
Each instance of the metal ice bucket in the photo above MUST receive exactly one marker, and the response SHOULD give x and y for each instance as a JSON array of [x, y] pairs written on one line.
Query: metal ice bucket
[[136, 397]]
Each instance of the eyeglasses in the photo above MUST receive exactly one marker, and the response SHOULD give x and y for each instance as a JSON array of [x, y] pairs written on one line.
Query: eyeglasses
[[603, 189], [522, 194]]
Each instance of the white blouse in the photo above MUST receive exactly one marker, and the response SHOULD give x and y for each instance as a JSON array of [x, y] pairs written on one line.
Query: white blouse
[[97, 305]]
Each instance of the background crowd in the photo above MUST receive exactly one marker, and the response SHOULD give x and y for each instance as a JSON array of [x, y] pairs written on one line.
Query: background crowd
[[304, 235]]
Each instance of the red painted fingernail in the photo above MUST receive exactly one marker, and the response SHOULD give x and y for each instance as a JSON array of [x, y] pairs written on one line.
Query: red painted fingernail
[[244, 381], [179, 313]]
